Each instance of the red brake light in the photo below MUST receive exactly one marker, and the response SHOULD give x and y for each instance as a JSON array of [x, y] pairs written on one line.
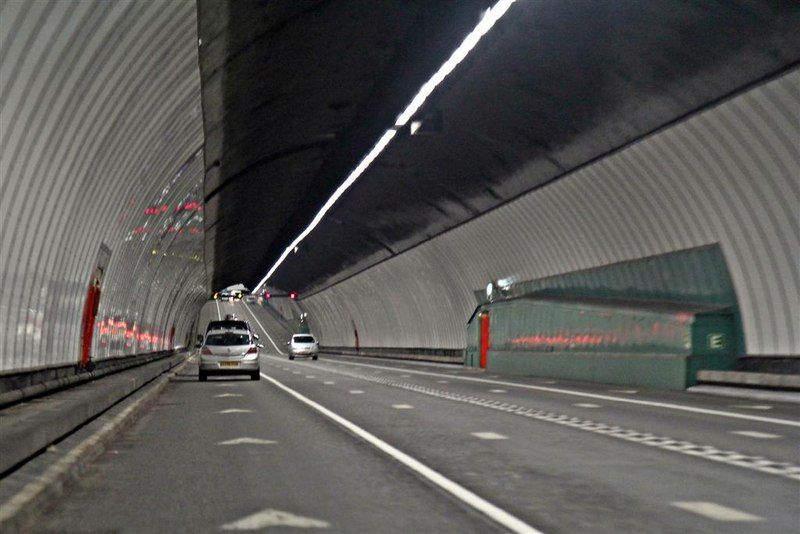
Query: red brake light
[[205, 350], [252, 350]]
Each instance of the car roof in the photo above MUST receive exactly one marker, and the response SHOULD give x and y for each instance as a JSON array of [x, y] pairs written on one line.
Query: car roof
[[228, 331], [228, 323]]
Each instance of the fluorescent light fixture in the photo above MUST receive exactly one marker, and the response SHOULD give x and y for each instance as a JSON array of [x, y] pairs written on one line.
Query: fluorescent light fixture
[[414, 126], [488, 19]]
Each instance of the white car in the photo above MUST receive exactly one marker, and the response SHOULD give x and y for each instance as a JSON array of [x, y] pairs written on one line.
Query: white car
[[303, 345], [229, 351]]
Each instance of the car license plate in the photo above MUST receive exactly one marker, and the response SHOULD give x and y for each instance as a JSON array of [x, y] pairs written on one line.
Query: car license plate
[[229, 364]]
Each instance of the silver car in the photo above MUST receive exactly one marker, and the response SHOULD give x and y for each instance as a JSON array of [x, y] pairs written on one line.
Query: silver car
[[303, 345], [229, 351]]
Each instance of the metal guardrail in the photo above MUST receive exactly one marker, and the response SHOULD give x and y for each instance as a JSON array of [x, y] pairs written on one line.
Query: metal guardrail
[[18, 386]]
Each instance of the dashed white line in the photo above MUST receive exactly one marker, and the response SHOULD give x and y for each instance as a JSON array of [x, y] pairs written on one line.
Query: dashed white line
[[236, 410], [329, 382], [355, 392], [640, 402], [624, 391], [442, 381], [755, 434], [224, 395], [483, 506], [402, 407], [498, 391], [310, 376], [247, 441], [488, 435], [715, 511], [586, 405], [752, 406]]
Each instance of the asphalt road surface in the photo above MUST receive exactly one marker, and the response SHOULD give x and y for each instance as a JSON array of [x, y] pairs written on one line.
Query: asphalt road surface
[[365, 445]]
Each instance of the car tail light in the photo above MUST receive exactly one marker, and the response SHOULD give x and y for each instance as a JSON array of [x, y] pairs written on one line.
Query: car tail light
[[205, 350], [252, 350]]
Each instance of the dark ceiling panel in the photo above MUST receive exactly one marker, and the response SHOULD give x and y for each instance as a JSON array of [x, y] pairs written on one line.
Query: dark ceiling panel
[[306, 88]]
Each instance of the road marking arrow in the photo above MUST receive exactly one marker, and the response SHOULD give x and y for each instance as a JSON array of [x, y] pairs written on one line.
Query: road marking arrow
[[273, 518]]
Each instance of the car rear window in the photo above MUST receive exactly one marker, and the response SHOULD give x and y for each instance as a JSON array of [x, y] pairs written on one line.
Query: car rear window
[[242, 325], [303, 339], [227, 339]]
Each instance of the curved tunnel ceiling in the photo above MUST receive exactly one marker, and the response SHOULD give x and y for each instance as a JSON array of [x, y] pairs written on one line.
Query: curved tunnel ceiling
[[294, 94]]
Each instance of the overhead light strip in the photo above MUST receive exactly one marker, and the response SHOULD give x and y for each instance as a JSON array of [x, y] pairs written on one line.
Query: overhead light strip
[[490, 17]]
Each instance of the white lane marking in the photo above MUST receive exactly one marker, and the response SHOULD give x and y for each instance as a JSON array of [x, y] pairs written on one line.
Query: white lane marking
[[640, 402], [219, 313], [498, 515], [296, 372], [226, 385], [236, 410], [715, 511], [624, 391], [406, 376], [224, 395], [752, 406], [498, 391], [247, 441], [329, 382], [586, 405], [310, 376], [356, 392], [706, 452], [755, 434], [488, 435], [442, 381], [402, 407], [261, 326], [274, 518]]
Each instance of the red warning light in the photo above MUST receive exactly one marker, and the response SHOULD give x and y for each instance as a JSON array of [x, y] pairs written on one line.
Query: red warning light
[[267, 295], [293, 295]]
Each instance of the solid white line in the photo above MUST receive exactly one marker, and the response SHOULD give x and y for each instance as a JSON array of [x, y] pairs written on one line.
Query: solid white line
[[253, 315], [488, 435], [755, 434], [654, 404], [219, 314], [715, 511], [461, 493]]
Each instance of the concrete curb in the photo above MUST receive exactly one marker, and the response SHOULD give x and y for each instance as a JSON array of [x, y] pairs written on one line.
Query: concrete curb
[[750, 378], [29, 428], [40, 482]]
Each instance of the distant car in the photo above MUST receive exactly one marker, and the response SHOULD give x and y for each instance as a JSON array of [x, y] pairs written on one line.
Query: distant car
[[229, 351], [250, 298], [303, 345]]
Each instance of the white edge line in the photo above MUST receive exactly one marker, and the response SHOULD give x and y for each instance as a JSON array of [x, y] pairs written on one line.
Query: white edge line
[[461, 493], [253, 315], [656, 404]]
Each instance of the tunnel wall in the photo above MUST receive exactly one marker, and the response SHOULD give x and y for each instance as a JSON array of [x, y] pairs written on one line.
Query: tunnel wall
[[100, 144], [728, 174]]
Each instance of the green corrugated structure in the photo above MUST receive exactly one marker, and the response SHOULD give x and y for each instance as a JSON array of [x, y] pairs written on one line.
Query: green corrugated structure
[[678, 316]]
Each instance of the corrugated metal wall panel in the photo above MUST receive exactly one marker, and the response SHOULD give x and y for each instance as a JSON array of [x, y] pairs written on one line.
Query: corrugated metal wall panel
[[99, 120], [728, 175]]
